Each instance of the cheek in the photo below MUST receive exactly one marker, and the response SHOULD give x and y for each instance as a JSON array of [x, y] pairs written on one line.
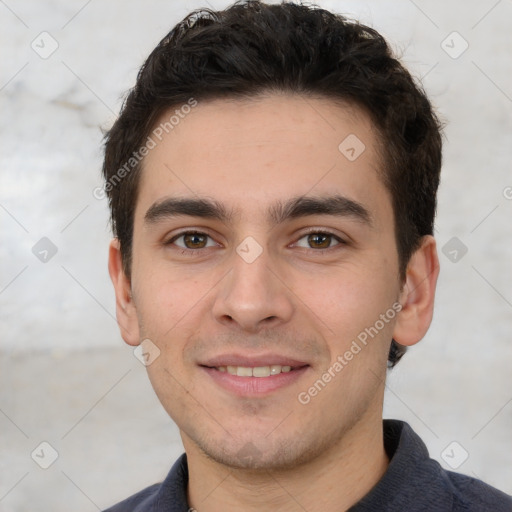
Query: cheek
[[165, 296], [348, 303]]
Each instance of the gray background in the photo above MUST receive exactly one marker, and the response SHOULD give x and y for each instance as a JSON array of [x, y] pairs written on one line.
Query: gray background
[[66, 376]]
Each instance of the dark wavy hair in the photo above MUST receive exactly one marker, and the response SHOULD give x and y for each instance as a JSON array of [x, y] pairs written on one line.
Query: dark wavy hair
[[253, 48]]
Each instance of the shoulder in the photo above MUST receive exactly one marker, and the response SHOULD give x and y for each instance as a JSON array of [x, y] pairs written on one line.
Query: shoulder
[[416, 482], [169, 495], [472, 494], [139, 502]]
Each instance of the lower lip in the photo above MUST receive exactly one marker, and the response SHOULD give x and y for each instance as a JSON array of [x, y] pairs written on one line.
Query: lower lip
[[254, 386]]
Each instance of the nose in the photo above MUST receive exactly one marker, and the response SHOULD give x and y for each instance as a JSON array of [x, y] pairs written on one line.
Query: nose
[[254, 295]]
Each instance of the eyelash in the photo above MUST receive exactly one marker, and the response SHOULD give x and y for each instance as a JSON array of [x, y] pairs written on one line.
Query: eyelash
[[193, 252]]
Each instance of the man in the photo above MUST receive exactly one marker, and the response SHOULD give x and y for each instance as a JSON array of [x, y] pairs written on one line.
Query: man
[[272, 181]]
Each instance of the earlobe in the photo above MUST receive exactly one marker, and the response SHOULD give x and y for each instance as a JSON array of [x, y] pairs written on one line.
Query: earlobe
[[126, 312], [417, 297]]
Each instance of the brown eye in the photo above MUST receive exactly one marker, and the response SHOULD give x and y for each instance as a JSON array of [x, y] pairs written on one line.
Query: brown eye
[[318, 240], [194, 240], [191, 240]]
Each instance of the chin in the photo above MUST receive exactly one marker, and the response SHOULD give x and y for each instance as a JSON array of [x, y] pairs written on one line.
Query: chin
[[263, 453]]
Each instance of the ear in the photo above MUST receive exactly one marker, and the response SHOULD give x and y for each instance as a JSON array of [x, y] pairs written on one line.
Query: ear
[[126, 312], [417, 296]]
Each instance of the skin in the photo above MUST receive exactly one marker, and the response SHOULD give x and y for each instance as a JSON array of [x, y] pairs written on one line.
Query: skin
[[293, 299]]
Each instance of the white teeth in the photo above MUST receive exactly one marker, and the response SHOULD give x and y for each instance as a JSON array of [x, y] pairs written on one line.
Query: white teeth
[[261, 371], [242, 371], [257, 371], [275, 369]]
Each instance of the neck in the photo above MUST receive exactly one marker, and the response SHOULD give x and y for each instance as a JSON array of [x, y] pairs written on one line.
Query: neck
[[333, 481]]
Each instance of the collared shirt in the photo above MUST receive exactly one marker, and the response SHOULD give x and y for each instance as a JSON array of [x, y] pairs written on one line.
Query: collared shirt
[[413, 482]]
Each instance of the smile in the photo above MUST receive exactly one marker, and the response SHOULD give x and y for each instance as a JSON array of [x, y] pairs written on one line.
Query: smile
[[254, 381], [257, 371]]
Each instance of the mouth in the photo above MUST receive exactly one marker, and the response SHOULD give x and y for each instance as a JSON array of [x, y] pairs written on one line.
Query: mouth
[[256, 371], [254, 378]]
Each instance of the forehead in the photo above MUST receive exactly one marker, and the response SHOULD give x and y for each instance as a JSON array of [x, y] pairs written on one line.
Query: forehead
[[251, 153]]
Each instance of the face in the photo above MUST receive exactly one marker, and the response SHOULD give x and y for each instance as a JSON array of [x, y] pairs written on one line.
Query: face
[[287, 259]]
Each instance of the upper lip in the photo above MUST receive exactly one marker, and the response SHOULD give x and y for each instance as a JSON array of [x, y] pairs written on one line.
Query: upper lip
[[252, 361]]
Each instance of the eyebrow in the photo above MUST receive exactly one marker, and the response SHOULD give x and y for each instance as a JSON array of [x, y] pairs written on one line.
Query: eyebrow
[[279, 212]]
